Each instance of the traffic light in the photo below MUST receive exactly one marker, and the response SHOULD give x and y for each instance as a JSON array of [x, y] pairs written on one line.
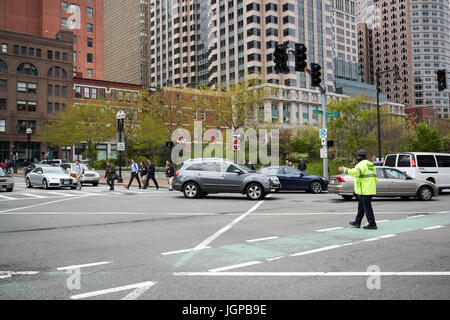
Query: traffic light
[[300, 57], [281, 59], [315, 75], [330, 143], [442, 80]]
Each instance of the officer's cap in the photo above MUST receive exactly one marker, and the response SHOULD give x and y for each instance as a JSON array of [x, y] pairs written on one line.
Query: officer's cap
[[361, 152]]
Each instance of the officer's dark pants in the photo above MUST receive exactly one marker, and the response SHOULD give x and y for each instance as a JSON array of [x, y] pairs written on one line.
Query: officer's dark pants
[[110, 182], [134, 175], [365, 206], [147, 180]]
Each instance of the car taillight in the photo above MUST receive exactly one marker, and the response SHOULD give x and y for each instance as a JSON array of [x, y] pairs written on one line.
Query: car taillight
[[340, 179], [413, 163], [176, 173]]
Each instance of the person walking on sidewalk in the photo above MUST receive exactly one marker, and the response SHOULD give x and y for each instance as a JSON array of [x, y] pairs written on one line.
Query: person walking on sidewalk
[[365, 187], [170, 173], [110, 175], [78, 170], [151, 175], [142, 172], [134, 174], [302, 166]]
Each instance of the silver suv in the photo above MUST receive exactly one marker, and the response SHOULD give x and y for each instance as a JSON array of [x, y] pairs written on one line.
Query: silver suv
[[198, 177]]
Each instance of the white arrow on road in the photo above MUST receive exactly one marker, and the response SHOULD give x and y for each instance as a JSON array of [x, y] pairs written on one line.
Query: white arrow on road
[[140, 288]]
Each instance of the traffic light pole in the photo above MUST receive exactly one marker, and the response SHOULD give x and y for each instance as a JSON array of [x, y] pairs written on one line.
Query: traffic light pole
[[324, 126]]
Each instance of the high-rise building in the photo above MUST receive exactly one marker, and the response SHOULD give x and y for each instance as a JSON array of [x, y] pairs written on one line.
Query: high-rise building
[[44, 18], [413, 35]]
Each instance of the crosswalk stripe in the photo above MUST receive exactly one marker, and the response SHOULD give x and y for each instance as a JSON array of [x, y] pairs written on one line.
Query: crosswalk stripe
[[34, 195], [6, 197]]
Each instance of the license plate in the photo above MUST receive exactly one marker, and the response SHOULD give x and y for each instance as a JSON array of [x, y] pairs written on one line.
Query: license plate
[[333, 181], [66, 182]]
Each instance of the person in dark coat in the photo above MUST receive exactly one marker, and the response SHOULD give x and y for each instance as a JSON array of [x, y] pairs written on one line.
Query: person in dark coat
[[110, 175], [142, 172], [170, 173], [302, 166], [150, 175]]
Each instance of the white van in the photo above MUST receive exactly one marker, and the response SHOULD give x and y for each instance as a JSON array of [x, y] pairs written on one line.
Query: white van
[[434, 167]]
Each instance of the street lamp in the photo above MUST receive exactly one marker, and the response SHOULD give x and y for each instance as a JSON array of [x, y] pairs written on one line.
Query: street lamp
[[29, 131], [120, 116], [377, 76]]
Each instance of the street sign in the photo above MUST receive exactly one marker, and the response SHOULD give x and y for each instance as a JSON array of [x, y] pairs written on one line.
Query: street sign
[[120, 146], [323, 153], [236, 145], [317, 112], [334, 114], [322, 133], [324, 141]]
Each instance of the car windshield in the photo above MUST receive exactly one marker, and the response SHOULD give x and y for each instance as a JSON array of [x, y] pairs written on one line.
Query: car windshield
[[85, 166], [2, 173], [244, 168], [53, 170]]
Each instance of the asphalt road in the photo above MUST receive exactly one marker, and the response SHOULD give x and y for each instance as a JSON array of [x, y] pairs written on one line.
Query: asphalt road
[[148, 244]]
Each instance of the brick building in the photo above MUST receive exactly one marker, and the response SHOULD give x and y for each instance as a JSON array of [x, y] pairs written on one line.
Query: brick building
[[44, 18], [35, 82]]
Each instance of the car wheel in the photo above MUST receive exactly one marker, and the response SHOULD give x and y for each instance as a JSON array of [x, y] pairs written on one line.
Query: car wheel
[[191, 190], [315, 187], [28, 183], [425, 193], [347, 197], [45, 184], [9, 189], [95, 184], [255, 191]]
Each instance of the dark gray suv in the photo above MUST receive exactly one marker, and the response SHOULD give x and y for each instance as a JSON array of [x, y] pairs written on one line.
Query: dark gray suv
[[198, 177]]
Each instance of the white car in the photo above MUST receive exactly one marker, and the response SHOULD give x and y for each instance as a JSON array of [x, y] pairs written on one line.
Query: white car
[[88, 176], [430, 166], [49, 177]]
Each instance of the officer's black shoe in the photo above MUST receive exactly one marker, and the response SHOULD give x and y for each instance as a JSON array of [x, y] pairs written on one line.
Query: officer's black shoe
[[354, 224], [371, 227]]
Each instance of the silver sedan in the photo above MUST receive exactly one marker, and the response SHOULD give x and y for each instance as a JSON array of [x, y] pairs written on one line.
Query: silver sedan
[[48, 177], [391, 183]]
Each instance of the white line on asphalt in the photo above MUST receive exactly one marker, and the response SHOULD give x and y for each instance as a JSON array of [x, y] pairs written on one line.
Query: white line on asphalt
[[5, 276], [416, 216], [62, 194], [8, 198], [137, 292], [240, 265], [329, 229], [112, 290], [432, 228], [84, 265], [370, 239], [19, 272], [34, 195], [42, 204], [316, 250], [228, 226], [276, 258], [387, 236], [262, 239], [314, 274], [184, 250], [381, 221]]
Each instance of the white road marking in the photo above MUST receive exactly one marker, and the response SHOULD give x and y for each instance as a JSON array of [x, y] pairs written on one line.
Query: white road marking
[[112, 290], [137, 292], [240, 265], [315, 250], [432, 228], [9, 274], [387, 236], [329, 229], [262, 239], [34, 195], [41, 204], [84, 265], [228, 226], [370, 239], [8, 198], [381, 221], [62, 194], [276, 258], [184, 250], [416, 216], [314, 274]]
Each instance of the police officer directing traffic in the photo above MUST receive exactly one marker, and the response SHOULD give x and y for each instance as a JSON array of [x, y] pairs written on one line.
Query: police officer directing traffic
[[365, 187]]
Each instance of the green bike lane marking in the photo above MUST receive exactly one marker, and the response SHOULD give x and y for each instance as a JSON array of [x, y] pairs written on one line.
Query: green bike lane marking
[[284, 246]]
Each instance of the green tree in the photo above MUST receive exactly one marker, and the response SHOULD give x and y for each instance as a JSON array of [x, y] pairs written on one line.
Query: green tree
[[81, 123], [427, 140], [307, 142]]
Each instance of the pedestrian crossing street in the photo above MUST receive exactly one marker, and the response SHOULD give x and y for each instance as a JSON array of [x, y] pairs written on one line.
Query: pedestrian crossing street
[[22, 193]]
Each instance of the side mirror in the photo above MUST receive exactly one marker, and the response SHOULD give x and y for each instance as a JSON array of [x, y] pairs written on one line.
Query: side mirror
[[238, 171], [408, 178]]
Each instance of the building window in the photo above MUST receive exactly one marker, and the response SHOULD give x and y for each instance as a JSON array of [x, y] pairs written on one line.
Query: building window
[[78, 92], [90, 73], [86, 93], [2, 85], [49, 54], [94, 94], [32, 88], [64, 23], [38, 53], [57, 55], [2, 104], [21, 87], [2, 125], [90, 43], [64, 91], [49, 107], [32, 106], [4, 48], [90, 57], [90, 12], [90, 27], [56, 107], [102, 93], [3, 67], [21, 105], [64, 6], [56, 91], [27, 68]]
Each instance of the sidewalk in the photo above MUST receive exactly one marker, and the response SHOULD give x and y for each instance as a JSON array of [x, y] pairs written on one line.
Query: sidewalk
[[160, 178]]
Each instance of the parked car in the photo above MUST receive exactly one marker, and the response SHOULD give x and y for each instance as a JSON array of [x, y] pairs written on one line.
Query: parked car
[[6, 181], [49, 177], [293, 179], [53, 162], [391, 183], [434, 167], [199, 177], [89, 175]]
